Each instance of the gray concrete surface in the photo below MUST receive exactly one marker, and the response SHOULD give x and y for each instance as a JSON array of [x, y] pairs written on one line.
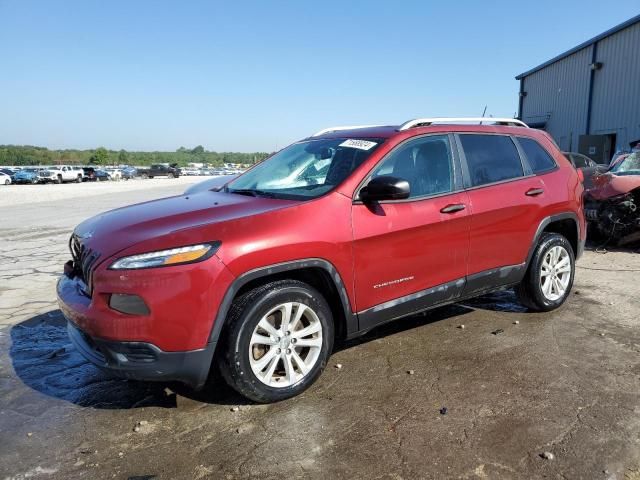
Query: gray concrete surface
[[566, 382]]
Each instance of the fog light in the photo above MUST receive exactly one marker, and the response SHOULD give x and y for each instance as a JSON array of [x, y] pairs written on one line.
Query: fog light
[[130, 304]]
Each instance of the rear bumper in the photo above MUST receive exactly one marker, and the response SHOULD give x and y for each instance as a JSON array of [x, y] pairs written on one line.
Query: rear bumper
[[143, 361]]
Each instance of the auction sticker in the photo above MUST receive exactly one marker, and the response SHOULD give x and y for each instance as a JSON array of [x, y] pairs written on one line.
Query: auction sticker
[[360, 144]]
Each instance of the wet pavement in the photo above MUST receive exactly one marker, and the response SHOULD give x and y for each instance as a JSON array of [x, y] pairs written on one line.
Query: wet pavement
[[565, 382]]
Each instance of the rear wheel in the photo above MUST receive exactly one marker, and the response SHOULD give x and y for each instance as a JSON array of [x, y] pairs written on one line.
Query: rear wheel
[[278, 339], [549, 279], [59, 179], [7, 182], [79, 179]]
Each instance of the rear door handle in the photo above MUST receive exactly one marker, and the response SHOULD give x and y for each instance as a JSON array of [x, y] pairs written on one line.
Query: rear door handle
[[533, 192], [452, 208]]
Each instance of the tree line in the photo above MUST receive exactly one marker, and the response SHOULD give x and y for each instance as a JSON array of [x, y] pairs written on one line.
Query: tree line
[[20, 155]]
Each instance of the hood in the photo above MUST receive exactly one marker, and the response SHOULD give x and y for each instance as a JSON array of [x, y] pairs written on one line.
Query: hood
[[610, 185], [179, 217]]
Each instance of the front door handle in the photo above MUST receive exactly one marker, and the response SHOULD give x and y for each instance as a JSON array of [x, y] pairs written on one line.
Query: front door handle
[[452, 208], [534, 192]]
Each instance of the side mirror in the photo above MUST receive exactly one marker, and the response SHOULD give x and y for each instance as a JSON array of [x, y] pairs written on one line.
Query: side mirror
[[385, 187]]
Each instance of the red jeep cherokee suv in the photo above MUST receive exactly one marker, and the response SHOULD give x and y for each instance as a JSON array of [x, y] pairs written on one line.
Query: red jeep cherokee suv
[[328, 238]]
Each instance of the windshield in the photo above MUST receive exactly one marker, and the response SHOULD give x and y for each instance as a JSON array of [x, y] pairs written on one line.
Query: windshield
[[628, 166], [305, 169]]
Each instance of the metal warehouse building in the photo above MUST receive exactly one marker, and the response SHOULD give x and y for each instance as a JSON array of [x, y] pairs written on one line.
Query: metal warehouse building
[[588, 98]]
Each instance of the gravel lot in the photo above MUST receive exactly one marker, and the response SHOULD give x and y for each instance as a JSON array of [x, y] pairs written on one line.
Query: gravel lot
[[566, 382], [29, 194]]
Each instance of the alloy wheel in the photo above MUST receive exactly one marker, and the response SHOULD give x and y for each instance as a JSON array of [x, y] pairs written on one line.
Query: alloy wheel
[[285, 345], [555, 273]]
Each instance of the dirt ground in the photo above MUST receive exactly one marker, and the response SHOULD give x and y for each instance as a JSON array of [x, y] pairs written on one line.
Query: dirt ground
[[566, 382]]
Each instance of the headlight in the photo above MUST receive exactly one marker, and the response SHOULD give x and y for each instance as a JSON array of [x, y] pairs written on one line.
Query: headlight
[[161, 258]]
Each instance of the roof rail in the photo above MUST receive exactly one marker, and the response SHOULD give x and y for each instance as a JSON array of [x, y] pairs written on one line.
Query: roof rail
[[346, 127], [425, 122]]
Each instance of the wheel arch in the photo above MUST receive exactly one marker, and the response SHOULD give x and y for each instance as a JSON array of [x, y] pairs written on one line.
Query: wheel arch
[[566, 224], [317, 272]]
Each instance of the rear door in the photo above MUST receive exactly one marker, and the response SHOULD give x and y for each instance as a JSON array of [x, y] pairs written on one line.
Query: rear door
[[505, 201], [410, 254]]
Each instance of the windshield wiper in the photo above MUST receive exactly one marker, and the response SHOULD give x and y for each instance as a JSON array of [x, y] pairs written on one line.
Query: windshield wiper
[[251, 192], [243, 191]]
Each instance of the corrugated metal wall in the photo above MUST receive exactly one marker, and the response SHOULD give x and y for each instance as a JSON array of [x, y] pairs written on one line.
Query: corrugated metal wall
[[559, 92], [616, 87]]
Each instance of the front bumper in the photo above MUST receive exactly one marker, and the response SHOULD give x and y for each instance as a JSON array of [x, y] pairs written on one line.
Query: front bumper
[[169, 341], [144, 361]]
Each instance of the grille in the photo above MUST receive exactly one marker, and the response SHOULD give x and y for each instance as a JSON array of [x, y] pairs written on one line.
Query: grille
[[84, 261]]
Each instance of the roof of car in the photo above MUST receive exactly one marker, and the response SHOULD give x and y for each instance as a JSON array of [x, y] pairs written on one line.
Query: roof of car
[[389, 131]]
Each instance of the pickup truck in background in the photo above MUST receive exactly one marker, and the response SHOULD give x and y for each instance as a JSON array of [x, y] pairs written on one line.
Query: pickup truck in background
[[65, 173], [160, 170]]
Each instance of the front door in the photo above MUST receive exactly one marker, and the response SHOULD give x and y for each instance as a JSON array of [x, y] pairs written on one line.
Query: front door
[[410, 254]]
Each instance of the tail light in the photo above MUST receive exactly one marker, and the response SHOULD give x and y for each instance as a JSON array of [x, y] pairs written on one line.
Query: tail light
[[580, 175]]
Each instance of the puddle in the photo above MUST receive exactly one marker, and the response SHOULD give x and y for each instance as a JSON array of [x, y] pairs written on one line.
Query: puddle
[[45, 360], [501, 301]]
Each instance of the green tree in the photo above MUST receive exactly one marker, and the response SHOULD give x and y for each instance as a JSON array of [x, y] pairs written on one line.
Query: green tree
[[123, 157], [99, 157], [198, 150]]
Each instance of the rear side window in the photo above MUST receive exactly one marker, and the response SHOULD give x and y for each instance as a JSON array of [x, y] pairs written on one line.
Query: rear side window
[[491, 158], [539, 160]]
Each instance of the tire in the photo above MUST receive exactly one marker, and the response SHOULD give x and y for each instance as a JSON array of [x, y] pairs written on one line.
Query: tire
[[531, 292], [79, 179], [58, 179], [145, 176], [7, 182], [34, 181], [171, 175], [238, 362]]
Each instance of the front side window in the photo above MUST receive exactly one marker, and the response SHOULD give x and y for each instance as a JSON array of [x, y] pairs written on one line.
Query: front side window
[[539, 160], [491, 158], [424, 162], [305, 169]]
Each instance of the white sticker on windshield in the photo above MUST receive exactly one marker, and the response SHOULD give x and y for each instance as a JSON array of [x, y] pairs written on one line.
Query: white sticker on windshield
[[360, 144]]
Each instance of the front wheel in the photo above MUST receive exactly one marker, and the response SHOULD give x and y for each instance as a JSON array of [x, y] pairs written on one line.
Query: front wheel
[[549, 278], [278, 340]]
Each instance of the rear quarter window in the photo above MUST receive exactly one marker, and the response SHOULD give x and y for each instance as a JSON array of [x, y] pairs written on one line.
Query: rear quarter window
[[539, 159], [491, 158]]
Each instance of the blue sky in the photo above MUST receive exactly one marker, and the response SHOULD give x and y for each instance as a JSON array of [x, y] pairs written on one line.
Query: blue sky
[[247, 76]]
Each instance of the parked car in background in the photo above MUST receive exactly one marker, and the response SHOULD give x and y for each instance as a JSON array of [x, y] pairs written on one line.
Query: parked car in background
[[5, 179], [612, 204], [160, 170], [47, 176], [188, 171], [27, 175], [66, 173], [129, 173], [8, 171], [261, 278], [586, 165], [101, 175], [114, 173], [88, 174]]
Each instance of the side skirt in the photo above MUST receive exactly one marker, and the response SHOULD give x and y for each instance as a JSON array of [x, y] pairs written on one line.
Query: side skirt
[[445, 294]]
